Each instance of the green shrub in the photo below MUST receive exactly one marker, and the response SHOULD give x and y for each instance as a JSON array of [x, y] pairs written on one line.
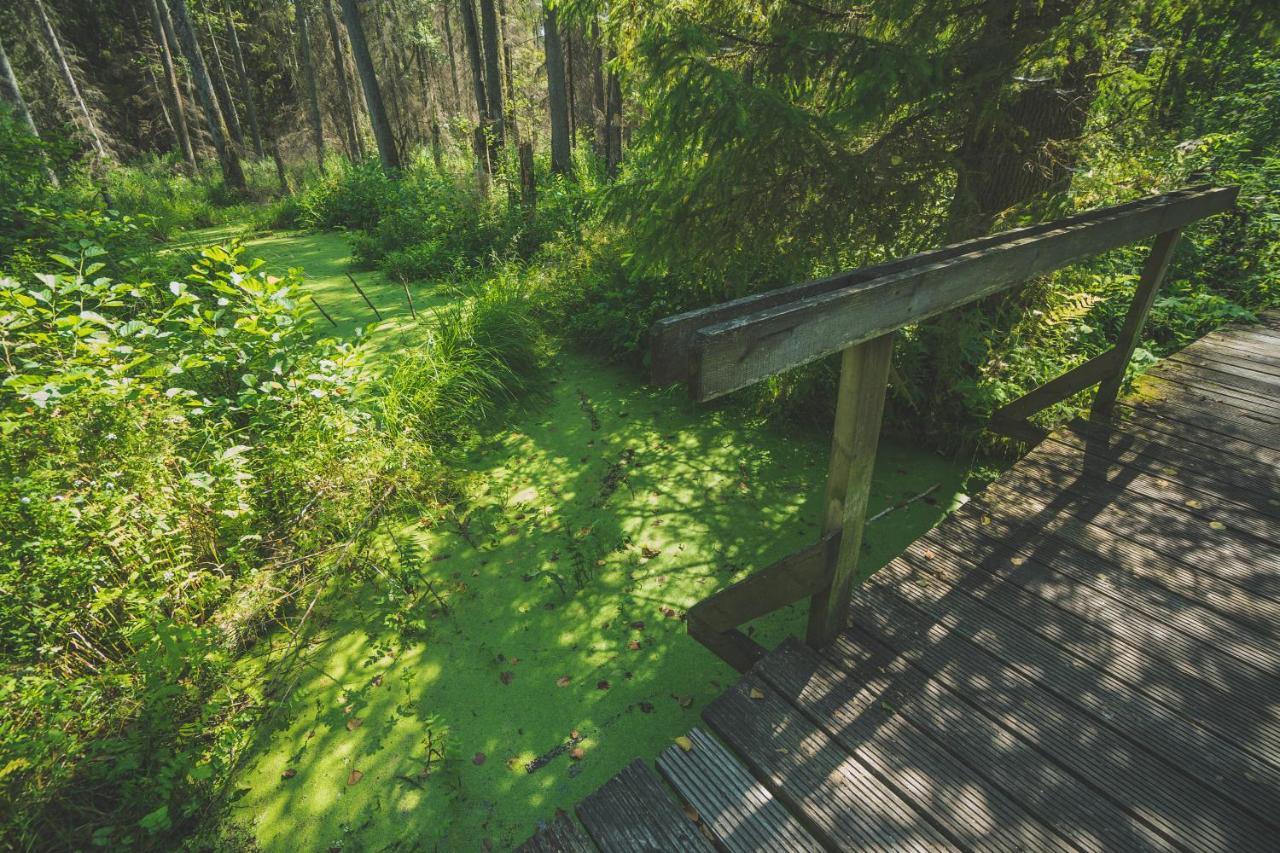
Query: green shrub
[[174, 455]]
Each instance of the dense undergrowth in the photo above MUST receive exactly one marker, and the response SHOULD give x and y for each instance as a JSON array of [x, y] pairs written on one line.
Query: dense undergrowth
[[183, 466], [594, 279]]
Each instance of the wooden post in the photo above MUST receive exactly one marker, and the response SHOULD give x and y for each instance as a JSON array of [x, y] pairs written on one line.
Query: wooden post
[[864, 373], [1148, 285]]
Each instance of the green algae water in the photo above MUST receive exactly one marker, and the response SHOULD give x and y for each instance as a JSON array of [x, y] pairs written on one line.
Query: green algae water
[[601, 514]]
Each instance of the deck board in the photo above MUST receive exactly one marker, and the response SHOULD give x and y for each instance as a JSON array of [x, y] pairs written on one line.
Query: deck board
[[1084, 656]]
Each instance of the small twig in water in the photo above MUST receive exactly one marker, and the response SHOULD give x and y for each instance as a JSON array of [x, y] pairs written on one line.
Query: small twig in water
[[372, 307], [907, 502], [324, 312]]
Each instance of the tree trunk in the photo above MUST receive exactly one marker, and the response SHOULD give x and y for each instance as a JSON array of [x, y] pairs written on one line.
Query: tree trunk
[[453, 65], [191, 102], [477, 76], [492, 70], [344, 84], [369, 83], [64, 68], [597, 91], [1024, 150], [573, 106], [232, 172], [512, 130], [173, 93], [282, 174], [309, 80], [613, 120], [218, 73], [12, 95], [528, 185], [246, 87], [557, 103]]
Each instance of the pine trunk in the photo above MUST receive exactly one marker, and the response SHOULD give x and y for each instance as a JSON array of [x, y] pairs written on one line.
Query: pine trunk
[[172, 92], [344, 83], [12, 95], [613, 121], [218, 74], [492, 70], [369, 83], [573, 106], [228, 159], [597, 91], [190, 101], [453, 64], [245, 86], [472, 38], [512, 128], [309, 80], [64, 69], [557, 102]]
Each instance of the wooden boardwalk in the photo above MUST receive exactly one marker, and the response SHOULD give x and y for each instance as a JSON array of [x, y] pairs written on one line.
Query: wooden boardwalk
[[1085, 656]]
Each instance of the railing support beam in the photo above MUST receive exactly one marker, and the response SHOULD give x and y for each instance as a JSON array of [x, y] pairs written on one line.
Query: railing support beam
[[1148, 286], [864, 374]]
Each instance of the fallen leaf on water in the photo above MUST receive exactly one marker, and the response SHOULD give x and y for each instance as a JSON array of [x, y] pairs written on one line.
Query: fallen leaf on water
[[562, 681], [354, 723], [289, 774], [684, 743], [505, 677], [577, 753], [478, 759], [757, 693], [355, 777]]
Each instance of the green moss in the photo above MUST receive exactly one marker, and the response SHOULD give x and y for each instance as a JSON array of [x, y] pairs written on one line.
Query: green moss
[[606, 511]]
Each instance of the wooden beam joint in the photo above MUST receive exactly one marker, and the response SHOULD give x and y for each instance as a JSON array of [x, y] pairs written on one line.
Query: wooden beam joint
[[714, 621]]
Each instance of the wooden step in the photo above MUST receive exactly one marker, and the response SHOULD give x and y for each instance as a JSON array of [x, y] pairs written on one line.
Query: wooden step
[[632, 812], [562, 835], [736, 809]]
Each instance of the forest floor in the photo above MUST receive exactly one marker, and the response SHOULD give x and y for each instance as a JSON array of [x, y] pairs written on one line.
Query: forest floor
[[604, 509]]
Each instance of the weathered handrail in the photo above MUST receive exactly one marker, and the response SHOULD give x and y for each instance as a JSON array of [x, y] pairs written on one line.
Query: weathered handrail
[[728, 346]]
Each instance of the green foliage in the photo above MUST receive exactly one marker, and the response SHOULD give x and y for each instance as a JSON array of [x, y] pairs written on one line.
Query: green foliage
[[430, 224], [182, 465]]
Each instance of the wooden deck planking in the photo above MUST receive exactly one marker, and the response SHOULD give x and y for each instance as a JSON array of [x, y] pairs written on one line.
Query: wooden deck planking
[[738, 811], [632, 812], [1085, 656]]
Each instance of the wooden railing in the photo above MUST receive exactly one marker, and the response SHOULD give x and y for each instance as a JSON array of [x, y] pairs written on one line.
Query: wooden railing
[[728, 346]]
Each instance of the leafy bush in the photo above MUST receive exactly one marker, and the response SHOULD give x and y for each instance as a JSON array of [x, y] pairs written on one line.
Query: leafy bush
[[179, 462], [430, 224]]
